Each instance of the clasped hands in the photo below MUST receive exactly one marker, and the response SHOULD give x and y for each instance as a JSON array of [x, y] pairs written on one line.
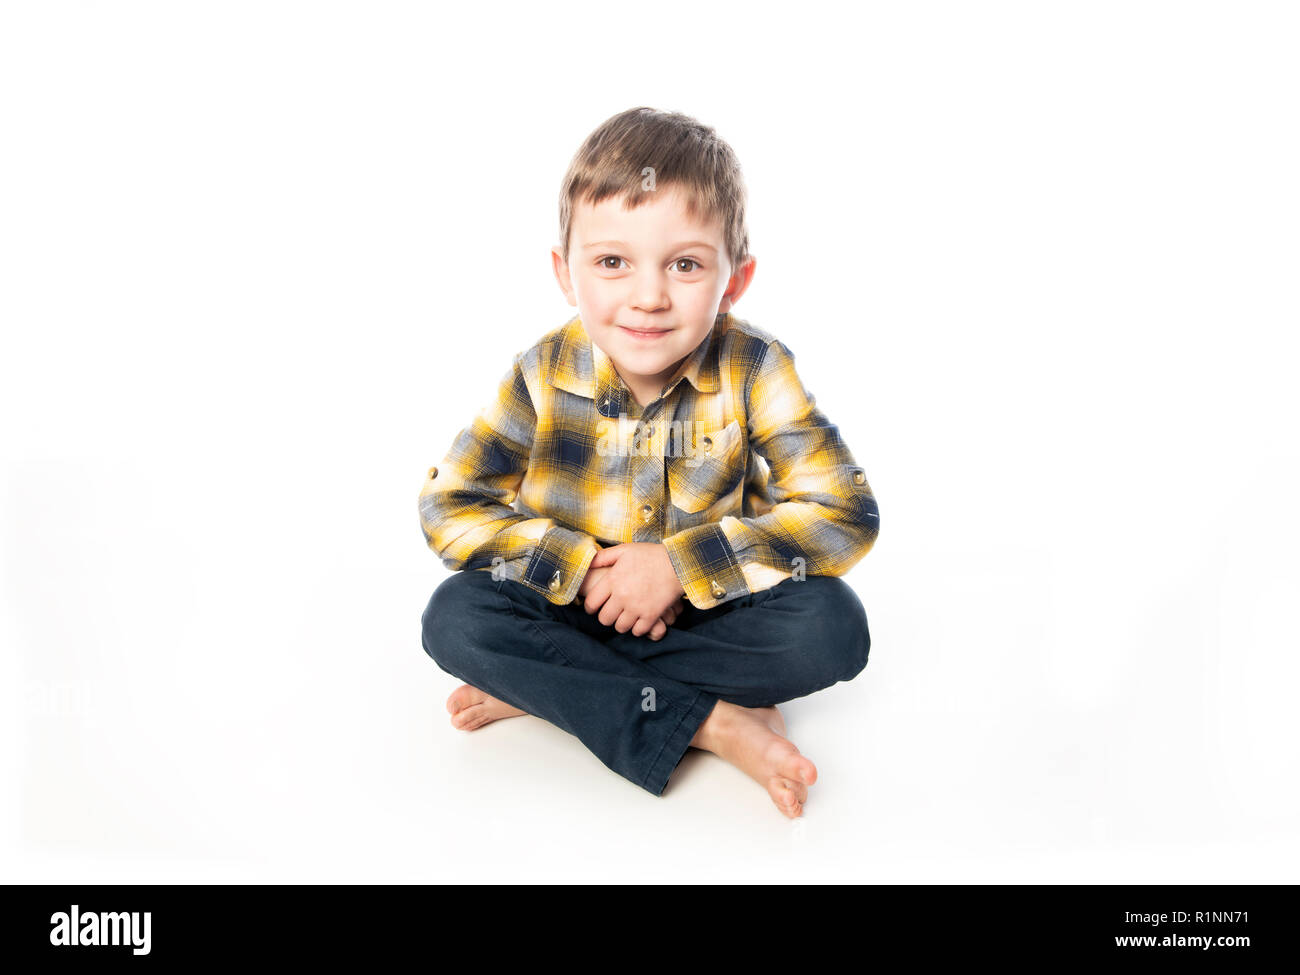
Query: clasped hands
[[634, 587]]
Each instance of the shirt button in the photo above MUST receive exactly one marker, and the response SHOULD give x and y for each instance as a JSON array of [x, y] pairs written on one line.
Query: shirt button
[[859, 477], [717, 589], [433, 472], [708, 444], [556, 584], [647, 512]]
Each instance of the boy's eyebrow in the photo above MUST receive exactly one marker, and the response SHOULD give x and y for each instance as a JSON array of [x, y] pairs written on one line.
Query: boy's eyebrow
[[675, 247]]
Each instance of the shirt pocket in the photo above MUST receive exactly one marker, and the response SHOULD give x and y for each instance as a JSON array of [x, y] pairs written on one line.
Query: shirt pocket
[[715, 470]]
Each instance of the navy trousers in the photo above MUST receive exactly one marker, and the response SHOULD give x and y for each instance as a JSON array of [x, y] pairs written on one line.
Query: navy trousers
[[636, 703]]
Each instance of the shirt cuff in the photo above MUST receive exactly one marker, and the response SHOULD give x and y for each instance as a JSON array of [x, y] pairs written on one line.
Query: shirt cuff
[[706, 566], [559, 563]]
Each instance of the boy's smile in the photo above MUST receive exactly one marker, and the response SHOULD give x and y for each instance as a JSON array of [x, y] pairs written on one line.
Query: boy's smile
[[648, 283]]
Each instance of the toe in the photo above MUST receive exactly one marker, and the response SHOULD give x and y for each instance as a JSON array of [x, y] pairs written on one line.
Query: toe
[[468, 717], [783, 796], [465, 696], [799, 790], [799, 769], [457, 700]]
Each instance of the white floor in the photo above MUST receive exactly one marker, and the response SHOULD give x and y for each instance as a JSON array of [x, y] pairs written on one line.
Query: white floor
[[333, 760]]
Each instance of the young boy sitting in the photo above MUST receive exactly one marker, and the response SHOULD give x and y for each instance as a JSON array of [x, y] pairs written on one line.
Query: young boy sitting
[[682, 511]]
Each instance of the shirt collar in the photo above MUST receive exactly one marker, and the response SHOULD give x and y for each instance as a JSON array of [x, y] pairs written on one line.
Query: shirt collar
[[582, 367]]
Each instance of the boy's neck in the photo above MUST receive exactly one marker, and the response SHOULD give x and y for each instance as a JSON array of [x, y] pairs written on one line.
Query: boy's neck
[[646, 392], [643, 397]]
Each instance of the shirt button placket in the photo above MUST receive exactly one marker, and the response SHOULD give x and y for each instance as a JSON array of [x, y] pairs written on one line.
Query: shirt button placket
[[648, 478]]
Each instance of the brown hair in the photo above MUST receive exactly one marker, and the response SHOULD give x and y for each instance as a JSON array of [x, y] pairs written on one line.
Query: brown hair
[[682, 153]]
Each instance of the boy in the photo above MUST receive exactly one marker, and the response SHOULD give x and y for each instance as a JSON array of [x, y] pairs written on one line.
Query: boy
[[682, 511]]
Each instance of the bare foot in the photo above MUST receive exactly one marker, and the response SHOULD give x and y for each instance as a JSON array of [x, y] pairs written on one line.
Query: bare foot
[[753, 740], [470, 708]]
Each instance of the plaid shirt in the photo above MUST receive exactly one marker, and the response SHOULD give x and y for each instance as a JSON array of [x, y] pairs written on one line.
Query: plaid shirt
[[733, 468]]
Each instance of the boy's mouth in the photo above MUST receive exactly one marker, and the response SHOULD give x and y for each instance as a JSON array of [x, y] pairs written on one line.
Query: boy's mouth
[[645, 333]]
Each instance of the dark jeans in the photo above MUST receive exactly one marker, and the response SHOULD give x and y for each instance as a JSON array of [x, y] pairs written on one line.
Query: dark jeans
[[636, 703]]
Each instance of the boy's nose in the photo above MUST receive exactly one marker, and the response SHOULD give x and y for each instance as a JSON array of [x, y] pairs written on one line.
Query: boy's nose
[[649, 293]]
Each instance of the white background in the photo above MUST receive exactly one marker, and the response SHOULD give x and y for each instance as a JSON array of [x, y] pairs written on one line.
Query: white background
[[261, 261]]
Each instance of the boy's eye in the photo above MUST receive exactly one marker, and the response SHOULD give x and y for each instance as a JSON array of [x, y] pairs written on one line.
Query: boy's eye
[[692, 263]]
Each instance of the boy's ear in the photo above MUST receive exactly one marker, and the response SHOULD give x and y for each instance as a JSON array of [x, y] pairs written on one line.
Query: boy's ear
[[738, 283], [561, 269]]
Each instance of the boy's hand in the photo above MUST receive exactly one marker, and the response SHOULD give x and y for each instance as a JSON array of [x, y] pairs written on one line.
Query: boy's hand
[[639, 587], [666, 619]]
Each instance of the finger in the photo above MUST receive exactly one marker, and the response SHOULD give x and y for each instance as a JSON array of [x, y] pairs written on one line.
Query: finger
[[658, 630], [669, 616], [625, 621], [605, 557], [644, 625], [610, 612], [597, 595]]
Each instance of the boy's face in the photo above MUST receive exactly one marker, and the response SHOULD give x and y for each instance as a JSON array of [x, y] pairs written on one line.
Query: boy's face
[[654, 268]]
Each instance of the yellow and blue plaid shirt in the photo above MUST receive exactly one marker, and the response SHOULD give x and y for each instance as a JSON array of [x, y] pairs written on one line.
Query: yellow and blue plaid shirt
[[733, 468]]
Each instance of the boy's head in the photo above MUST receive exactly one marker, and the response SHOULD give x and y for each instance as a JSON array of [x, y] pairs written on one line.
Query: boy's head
[[652, 231]]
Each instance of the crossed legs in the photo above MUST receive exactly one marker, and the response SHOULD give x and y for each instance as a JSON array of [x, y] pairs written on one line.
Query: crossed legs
[[712, 682]]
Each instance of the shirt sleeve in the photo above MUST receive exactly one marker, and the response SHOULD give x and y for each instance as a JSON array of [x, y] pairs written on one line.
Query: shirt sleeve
[[465, 508], [824, 517]]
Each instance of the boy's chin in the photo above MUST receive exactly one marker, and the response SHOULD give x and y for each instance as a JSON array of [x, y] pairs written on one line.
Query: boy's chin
[[648, 352], [647, 362]]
